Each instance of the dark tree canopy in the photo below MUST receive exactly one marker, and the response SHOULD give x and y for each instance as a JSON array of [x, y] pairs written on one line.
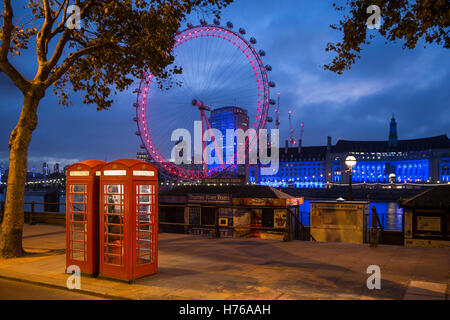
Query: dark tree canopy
[[118, 41], [403, 20]]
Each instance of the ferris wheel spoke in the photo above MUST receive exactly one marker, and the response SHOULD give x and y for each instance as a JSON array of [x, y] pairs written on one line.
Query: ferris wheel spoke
[[225, 68]]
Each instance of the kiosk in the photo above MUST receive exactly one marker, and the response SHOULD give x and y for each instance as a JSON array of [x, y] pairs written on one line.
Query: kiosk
[[82, 215], [128, 220]]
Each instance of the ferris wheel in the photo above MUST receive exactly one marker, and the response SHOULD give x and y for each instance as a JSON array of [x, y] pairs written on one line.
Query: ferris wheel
[[221, 68]]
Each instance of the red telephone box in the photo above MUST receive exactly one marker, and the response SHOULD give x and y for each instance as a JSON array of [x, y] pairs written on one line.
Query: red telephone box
[[128, 220], [82, 215]]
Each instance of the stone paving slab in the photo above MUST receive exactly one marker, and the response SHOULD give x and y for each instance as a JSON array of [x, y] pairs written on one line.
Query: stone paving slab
[[192, 267], [425, 290]]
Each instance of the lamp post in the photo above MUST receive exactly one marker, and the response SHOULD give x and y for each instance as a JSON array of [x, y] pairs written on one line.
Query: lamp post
[[350, 162]]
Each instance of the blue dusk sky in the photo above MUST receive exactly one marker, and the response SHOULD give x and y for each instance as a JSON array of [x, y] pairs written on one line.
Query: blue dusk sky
[[358, 105]]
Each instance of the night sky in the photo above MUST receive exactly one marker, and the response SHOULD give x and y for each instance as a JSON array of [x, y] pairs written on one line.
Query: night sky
[[413, 84]]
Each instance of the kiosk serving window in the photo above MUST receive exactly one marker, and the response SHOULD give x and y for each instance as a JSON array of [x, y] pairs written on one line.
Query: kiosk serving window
[[113, 222], [78, 225]]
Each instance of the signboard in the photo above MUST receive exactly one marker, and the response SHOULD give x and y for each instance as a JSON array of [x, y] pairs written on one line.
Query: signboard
[[209, 198], [79, 173], [115, 173], [279, 219], [334, 221], [259, 202], [138, 173], [224, 181], [295, 202], [429, 223]]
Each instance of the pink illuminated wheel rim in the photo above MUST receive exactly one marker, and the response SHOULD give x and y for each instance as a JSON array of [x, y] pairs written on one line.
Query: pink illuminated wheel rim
[[197, 46]]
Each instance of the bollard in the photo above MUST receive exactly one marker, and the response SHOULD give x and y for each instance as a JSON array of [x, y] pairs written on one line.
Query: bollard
[[216, 218], [374, 229], [30, 221]]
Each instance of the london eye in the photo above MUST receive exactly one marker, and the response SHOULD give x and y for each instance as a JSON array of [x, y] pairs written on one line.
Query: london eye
[[221, 68]]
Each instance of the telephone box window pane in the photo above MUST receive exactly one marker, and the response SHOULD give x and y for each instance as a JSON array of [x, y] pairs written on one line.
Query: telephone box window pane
[[78, 236], [78, 226], [78, 188], [144, 209], [114, 189], [77, 217], [78, 207], [145, 199], [79, 198], [144, 219], [78, 255], [114, 209], [144, 189]]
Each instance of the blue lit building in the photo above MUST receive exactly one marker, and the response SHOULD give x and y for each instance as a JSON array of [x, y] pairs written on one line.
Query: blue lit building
[[425, 160], [229, 118]]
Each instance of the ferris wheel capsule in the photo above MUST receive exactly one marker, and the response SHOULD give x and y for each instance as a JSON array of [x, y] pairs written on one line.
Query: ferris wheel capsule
[[217, 22], [242, 31], [190, 25], [252, 40], [262, 53], [230, 25], [268, 67], [272, 84], [203, 22], [272, 102]]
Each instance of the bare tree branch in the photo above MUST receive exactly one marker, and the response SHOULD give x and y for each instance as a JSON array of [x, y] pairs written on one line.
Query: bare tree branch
[[68, 62], [15, 76]]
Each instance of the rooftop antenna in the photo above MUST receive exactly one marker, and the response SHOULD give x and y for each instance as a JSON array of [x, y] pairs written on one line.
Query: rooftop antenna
[[291, 131]]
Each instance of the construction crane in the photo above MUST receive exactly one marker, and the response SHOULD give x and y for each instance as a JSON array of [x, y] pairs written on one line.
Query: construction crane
[[277, 112], [291, 131]]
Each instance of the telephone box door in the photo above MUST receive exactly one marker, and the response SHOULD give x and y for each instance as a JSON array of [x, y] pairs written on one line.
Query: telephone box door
[[82, 216], [146, 228]]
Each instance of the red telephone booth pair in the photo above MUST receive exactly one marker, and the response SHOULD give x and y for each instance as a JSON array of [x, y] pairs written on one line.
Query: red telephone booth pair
[[112, 212]]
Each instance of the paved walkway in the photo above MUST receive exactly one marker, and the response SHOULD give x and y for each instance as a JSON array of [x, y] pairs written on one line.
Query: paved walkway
[[196, 268]]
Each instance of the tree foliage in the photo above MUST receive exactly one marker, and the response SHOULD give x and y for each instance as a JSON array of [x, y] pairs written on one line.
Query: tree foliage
[[401, 20], [118, 41]]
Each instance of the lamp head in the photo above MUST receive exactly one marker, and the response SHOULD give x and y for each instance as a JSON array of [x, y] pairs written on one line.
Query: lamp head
[[350, 161]]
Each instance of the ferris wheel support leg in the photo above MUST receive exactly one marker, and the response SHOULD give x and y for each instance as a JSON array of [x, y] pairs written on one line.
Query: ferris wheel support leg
[[208, 125], [205, 164]]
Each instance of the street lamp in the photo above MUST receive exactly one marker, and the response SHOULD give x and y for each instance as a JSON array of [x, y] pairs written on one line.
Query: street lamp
[[350, 162]]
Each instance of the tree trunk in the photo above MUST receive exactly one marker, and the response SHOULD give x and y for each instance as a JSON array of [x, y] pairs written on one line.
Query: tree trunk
[[13, 219]]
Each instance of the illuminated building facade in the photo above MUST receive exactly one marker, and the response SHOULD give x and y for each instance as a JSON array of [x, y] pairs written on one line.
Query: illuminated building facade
[[229, 118], [424, 160]]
